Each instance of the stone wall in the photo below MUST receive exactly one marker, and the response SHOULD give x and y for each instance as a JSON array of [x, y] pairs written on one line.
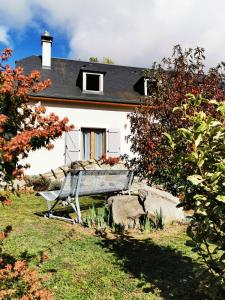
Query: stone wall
[[92, 164]]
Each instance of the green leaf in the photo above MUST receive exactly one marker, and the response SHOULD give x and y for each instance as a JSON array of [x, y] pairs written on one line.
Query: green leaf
[[215, 176], [202, 127], [195, 179], [193, 156], [186, 133], [200, 163], [198, 140], [200, 197], [221, 198], [169, 138], [215, 123], [221, 108], [221, 166], [200, 211]]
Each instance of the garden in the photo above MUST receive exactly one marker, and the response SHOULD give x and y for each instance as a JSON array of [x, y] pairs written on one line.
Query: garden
[[178, 137], [76, 262]]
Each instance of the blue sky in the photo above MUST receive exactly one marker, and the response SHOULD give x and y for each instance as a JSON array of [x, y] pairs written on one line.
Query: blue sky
[[131, 32], [29, 43]]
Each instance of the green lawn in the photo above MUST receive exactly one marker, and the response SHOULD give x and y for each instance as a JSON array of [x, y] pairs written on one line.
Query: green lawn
[[85, 266]]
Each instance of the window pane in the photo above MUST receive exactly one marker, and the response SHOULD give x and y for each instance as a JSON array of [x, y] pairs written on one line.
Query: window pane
[[86, 144], [92, 82], [99, 143]]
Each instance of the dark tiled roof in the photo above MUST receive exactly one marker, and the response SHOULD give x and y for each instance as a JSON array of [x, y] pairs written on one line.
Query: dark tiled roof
[[121, 84]]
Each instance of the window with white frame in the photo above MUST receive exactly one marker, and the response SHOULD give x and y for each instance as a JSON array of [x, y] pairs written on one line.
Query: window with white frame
[[92, 82]]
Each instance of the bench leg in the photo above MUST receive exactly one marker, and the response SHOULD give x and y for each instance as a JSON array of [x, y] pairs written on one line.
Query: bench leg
[[49, 204], [78, 210]]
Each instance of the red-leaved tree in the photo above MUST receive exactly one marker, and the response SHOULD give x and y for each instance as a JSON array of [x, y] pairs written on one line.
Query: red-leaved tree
[[168, 86], [23, 127]]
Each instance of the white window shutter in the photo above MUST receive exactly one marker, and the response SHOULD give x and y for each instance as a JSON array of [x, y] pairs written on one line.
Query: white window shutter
[[113, 142], [72, 145]]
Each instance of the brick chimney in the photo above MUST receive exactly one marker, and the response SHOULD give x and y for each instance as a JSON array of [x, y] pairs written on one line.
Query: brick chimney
[[46, 42]]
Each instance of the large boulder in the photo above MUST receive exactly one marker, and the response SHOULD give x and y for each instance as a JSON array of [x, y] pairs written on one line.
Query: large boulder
[[126, 210], [153, 200], [138, 184]]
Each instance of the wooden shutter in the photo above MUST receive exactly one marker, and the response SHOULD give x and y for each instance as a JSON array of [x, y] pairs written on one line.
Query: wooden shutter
[[72, 145], [113, 142]]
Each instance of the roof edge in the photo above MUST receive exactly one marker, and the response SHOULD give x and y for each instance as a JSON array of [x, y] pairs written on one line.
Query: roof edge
[[87, 101]]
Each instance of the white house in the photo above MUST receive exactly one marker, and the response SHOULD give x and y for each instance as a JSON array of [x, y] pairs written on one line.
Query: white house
[[95, 97]]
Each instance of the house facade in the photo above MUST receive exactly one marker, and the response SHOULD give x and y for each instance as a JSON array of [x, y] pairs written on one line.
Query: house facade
[[95, 97]]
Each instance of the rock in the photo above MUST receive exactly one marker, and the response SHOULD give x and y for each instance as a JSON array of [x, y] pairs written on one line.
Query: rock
[[153, 200], [138, 184], [86, 165], [126, 210]]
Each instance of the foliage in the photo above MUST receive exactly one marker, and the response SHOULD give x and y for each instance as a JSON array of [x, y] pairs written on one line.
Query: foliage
[[18, 281], [98, 218], [93, 59], [198, 168], [5, 198], [159, 220], [55, 185], [105, 60], [23, 127], [147, 224], [108, 61], [155, 221], [101, 219], [110, 160], [39, 183], [168, 85]]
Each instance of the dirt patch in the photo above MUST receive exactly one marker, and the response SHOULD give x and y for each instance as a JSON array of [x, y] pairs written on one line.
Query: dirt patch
[[170, 230]]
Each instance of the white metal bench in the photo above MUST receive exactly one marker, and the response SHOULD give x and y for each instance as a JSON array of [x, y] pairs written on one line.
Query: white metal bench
[[83, 183]]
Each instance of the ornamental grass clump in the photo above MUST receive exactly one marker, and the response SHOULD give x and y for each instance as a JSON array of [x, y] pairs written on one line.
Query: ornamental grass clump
[[151, 222], [98, 218]]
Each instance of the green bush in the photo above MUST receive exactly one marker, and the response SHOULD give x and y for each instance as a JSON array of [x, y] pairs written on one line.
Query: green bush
[[198, 170], [39, 183], [55, 185]]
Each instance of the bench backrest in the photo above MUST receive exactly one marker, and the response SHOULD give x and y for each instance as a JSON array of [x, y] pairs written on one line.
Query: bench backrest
[[90, 182]]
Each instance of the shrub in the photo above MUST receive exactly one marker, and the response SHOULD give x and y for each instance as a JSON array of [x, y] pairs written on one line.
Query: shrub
[[197, 168], [23, 127], [39, 183], [55, 185], [18, 281], [110, 160], [168, 85]]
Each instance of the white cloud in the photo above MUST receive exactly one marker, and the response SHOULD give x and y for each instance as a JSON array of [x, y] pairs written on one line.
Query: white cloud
[[4, 38], [129, 31], [16, 14]]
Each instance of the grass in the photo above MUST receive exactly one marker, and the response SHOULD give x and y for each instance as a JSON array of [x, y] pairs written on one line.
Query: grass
[[85, 266]]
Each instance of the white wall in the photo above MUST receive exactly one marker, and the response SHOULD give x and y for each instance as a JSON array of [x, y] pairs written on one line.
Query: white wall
[[81, 116]]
